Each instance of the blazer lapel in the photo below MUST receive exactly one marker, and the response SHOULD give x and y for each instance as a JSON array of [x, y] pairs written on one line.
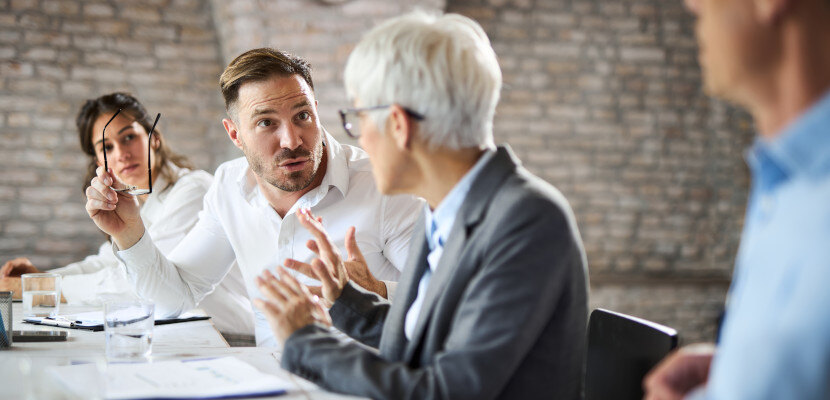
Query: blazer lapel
[[393, 340], [471, 212], [443, 273]]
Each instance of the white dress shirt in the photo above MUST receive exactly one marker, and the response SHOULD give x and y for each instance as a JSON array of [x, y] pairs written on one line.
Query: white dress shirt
[[438, 226], [168, 214], [237, 221]]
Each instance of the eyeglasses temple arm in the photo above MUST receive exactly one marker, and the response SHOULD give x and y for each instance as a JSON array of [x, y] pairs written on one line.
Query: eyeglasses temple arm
[[103, 138], [149, 149]]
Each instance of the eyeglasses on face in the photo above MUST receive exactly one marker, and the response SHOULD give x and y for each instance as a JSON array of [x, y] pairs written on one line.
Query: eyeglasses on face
[[348, 114], [133, 190]]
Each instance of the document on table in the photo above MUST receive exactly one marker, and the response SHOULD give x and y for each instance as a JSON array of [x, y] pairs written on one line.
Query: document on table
[[225, 377]]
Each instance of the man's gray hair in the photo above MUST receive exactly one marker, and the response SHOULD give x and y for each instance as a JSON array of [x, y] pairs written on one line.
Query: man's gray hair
[[440, 66]]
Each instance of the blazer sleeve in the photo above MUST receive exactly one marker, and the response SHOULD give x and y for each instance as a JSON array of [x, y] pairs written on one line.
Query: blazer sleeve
[[360, 314], [526, 265]]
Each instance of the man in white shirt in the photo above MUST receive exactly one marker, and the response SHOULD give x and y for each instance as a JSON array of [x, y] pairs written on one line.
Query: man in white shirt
[[250, 210], [168, 215]]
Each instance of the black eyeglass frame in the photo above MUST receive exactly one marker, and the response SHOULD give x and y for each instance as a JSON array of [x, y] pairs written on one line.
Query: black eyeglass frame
[[347, 126], [132, 189]]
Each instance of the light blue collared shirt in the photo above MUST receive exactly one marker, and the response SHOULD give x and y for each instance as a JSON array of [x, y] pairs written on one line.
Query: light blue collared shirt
[[438, 226], [775, 342]]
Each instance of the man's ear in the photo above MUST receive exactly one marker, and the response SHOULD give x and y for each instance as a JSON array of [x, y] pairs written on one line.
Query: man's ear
[[771, 12], [233, 133], [400, 127]]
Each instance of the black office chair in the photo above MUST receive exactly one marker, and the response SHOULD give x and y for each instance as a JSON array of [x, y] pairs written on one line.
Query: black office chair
[[621, 350]]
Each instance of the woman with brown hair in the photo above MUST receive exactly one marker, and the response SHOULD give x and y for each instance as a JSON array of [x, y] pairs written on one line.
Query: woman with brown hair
[[169, 211]]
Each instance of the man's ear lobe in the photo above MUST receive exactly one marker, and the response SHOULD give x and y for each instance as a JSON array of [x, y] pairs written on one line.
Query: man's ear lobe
[[233, 133]]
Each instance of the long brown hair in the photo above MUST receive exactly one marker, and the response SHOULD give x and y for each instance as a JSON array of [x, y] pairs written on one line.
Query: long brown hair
[[110, 103]]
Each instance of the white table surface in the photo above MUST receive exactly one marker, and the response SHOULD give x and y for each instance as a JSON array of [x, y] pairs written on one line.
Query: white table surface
[[187, 340]]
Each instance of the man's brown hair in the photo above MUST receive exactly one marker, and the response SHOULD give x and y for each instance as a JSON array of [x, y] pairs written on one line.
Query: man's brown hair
[[258, 65]]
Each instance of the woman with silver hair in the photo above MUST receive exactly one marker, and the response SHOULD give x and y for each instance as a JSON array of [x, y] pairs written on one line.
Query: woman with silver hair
[[493, 300]]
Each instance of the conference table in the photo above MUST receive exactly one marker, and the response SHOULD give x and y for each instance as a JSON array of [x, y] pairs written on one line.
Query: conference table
[[22, 367]]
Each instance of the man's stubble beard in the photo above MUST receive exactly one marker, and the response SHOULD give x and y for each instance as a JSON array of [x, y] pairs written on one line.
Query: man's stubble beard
[[289, 183]]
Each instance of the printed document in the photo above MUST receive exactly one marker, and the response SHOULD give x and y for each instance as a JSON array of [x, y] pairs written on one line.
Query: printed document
[[224, 377]]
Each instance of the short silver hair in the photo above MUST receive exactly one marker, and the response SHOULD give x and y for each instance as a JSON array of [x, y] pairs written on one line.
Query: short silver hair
[[440, 66]]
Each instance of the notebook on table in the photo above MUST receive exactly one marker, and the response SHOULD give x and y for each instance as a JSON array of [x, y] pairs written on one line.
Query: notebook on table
[[94, 320]]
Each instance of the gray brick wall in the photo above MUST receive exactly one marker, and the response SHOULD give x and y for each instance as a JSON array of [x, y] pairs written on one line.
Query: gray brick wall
[[322, 34], [54, 55], [691, 308], [603, 100]]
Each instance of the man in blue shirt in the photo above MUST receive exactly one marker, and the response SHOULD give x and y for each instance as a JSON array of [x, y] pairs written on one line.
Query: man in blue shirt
[[771, 57]]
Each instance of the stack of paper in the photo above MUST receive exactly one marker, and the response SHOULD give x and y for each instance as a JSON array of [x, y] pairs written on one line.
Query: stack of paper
[[225, 377]]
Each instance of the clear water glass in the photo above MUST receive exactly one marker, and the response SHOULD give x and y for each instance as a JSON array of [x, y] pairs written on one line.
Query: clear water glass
[[41, 294], [128, 327]]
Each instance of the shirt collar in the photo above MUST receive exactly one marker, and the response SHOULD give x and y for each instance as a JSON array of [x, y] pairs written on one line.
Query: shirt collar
[[337, 175], [802, 148], [247, 183], [337, 170], [444, 214]]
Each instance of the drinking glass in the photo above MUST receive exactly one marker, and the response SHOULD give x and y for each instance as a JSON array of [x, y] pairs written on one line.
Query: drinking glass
[[128, 326], [41, 294]]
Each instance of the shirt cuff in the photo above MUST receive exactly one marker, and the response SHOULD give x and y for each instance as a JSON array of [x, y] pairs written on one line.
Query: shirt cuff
[[136, 255]]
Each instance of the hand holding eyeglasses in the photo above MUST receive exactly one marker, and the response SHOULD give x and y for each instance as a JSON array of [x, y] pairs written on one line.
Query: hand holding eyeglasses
[[115, 213], [112, 205]]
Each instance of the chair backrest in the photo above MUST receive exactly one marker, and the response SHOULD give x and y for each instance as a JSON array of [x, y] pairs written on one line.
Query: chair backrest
[[621, 350]]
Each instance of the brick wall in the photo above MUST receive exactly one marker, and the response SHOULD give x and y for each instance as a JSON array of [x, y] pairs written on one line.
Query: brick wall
[[54, 55], [601, 98], [322, 34]]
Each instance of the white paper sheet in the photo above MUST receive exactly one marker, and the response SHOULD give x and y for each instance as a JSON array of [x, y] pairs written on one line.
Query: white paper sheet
[[200, 379]]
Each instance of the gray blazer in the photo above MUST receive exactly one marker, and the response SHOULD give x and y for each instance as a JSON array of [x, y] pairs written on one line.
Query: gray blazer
[[504, 315]]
